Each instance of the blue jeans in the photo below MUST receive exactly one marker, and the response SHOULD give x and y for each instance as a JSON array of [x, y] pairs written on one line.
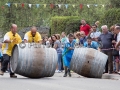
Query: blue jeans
[[59, 61]]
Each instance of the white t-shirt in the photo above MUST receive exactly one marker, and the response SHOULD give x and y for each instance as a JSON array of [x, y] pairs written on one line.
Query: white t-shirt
[[118, 39], [6, 37], [26, 37], [48, 44], [95, 34]]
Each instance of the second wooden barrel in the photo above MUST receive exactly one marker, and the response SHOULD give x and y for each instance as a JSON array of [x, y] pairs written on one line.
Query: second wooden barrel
[[33, 61], [88, 62]]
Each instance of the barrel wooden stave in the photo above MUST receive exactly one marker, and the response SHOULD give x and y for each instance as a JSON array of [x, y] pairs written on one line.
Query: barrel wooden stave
[[88, 62], [34, 62]]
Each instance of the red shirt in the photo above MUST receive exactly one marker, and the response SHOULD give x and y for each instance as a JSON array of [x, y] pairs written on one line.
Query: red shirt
[[85, 28]]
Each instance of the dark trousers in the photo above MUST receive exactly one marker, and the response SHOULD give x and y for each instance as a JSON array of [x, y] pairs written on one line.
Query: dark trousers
[[5, 62], [1, 59], [109, 64], [62, 68]]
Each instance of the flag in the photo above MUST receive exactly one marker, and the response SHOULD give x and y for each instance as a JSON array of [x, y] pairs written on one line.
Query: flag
[[23, 5], [15, 4], [81, 6], [51, 5], [30, 5], [96, 5], [45, 5], [2, 7], [37, 5], [66, 5], [59, 5], [8, 4], [103, 5], [88, 5], [73, 6]]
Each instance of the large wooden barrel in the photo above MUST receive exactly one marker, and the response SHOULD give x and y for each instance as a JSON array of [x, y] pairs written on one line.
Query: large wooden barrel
[[88, 62], [33, 61]]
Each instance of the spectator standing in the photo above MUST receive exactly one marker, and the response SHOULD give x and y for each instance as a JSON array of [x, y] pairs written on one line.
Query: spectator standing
[[94, 33], [106, 40], [97, 23], [45, 40], [57, 46], [85, 27], [59, 38], [117, 31], [49, 42], [83, 38], [64, 39], [115, 57], [78, 37]]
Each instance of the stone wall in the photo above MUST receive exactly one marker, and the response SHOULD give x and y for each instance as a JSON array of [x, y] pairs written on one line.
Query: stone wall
[[42, 30]]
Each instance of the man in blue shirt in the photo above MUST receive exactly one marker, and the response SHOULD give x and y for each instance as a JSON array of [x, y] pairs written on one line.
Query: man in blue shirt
[[91, 44]]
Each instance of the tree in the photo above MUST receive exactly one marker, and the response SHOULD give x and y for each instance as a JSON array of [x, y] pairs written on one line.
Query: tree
[[111, 17], [115, 3], [25, 17]]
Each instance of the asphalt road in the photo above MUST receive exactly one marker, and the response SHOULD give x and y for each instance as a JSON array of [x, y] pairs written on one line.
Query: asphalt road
[[57, 82]]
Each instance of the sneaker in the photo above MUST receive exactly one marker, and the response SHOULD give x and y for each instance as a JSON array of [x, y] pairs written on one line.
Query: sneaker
[[13, 76], [1, 73], [56, 71], [59, 71], [119, 72]]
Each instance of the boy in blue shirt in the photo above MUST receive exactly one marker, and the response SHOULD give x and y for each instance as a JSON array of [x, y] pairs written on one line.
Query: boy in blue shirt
[[91, 44]]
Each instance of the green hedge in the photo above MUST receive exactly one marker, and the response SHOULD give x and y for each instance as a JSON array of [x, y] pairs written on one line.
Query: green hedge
[[111, 17], [68, 24]]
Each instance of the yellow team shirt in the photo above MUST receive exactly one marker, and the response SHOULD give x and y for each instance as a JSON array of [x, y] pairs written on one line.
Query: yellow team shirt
[[7, 47], [30, 38]]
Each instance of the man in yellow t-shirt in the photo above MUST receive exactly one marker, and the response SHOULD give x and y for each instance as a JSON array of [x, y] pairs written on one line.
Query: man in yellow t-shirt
[[10, 39], [32, 36]]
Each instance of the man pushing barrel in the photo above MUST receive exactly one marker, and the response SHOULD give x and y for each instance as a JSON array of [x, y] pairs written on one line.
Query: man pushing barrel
[[32, 36], [10, 39]]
